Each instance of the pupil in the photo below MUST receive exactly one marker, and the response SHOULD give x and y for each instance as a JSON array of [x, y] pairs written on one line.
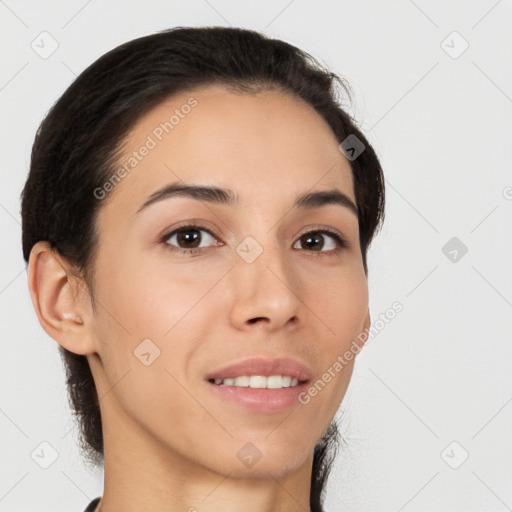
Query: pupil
[[183, 236]]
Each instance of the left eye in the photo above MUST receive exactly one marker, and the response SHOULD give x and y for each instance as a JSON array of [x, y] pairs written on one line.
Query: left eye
[[314, 239]]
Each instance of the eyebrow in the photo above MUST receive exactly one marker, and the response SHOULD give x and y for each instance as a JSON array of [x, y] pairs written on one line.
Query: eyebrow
[[225, 196]]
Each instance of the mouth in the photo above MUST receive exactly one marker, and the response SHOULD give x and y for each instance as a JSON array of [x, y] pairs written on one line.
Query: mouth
[[279, 371], [262, 384], [259, 383]]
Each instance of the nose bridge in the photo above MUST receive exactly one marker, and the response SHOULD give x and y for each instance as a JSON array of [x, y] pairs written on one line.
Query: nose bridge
[[265, 285]]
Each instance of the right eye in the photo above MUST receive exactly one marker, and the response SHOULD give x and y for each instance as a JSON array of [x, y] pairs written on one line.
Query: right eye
[[188, 239]]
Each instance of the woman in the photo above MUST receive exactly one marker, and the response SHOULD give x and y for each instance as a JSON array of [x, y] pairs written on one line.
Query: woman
[[196, 222]]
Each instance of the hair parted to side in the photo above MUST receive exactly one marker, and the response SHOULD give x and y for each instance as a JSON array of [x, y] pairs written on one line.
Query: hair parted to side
[[76, 148]]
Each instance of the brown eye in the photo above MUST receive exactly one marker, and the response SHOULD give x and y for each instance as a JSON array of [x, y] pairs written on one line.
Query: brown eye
[[188, 237], [315, 241], [312, 241]]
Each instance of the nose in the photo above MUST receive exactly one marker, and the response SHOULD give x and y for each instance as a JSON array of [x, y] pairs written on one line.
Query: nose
[[265, 292]]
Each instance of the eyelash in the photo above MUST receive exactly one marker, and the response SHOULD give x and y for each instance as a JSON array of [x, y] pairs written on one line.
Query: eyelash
[[342, 243]]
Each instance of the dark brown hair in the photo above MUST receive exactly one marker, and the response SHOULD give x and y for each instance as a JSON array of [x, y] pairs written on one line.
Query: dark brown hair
[[76, 147]]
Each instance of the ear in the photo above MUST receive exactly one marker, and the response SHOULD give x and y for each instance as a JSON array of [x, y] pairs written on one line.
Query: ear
[[63, 309]]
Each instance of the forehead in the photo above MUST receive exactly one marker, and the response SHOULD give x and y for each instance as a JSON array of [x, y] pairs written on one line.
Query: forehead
[[269, 147]]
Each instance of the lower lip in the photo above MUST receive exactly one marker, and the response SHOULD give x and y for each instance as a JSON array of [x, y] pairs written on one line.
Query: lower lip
[[261, 399]]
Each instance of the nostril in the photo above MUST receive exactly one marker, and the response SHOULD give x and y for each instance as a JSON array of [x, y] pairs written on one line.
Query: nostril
[[254, 320]]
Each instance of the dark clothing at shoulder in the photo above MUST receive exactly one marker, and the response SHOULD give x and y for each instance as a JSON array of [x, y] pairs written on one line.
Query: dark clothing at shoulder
[[93, 504]]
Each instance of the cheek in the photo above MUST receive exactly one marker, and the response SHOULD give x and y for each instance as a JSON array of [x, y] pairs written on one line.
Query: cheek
[[149, 298], [164, 304], [148, 314], [341, 303], [341, 307]]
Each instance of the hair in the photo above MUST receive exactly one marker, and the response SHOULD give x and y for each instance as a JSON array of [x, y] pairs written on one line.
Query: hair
[[77, 145]]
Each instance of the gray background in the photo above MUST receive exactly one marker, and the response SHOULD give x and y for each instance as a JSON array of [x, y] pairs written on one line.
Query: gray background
[[434, 386]]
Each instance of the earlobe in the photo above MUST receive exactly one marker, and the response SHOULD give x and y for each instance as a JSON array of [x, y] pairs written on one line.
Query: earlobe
[[62, 312]]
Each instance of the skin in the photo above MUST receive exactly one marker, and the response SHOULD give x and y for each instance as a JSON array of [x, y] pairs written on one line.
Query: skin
[[170, 442]]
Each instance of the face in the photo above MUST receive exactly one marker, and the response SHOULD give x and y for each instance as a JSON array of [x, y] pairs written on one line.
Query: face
[[258, 277]]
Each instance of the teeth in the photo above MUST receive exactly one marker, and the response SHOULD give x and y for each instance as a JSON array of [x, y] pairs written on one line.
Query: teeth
[[260, 381]]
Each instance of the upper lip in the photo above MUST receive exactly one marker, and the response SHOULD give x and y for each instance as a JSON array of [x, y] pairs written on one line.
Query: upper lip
[[266, 367]]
